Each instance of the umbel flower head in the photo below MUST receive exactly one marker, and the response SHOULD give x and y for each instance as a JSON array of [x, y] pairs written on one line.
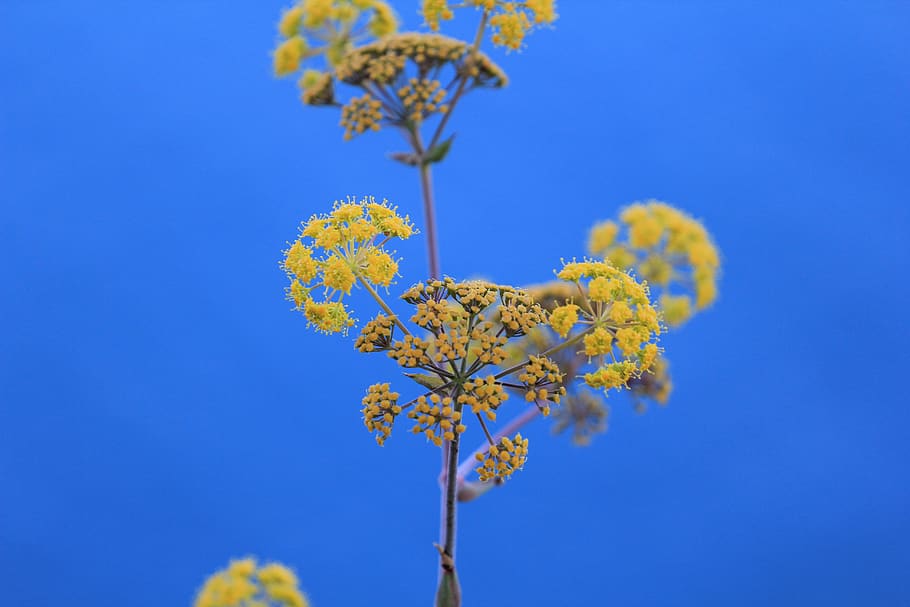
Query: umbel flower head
[[464, 328], [401, 76], [335, 252], [601, 344], [244, 583], [669, 248], [621, 325], [509, 22]]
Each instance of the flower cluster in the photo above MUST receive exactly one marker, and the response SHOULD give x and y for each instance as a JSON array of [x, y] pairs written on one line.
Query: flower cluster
[[329, 28], [608, 326], [621, 325], [338, 250], [509, 21], [465, 327], [503, 458], [667, 247], [245, 584], [584, 413]]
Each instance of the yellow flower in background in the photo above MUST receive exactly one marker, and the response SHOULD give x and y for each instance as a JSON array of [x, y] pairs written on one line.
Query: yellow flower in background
[[435, 11], [667, 247], [328, 28], [245, 584], [509, 22], [288, 55]]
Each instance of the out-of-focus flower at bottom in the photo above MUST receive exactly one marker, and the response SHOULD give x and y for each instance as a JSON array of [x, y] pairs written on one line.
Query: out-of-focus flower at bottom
[[246, 584]]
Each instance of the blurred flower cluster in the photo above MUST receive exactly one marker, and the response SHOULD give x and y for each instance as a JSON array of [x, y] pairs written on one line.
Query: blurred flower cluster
[[509, 22], [244, 583], [676, 256], [669, 249]]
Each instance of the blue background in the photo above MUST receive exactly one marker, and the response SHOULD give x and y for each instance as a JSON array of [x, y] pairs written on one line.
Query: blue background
[[162, 410]]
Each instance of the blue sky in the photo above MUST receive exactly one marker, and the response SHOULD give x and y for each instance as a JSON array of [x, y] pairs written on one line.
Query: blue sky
[[162, 410]]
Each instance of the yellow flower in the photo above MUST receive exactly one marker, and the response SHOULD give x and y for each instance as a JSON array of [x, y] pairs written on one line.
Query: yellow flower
[[614, 375], [384, 21], [300, 262], [657, 270], [563, 318], [705, 292], [380, 408], [435, 11], [290, 22], [337, 274], [621, 257], [328, 316], [288, 55], [380, 268], [645, 232], [620, 312], [276, 573], [602, 237], [298, 293], [598, 342], [671, 250], [316, 13], [510, 27], [349, 236], [361, 114], [629, 339], [241, 584], [503, 458], [677, 309], [544, 10]]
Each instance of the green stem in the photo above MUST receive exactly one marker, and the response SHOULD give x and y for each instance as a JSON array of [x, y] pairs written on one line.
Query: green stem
[[383, 305]]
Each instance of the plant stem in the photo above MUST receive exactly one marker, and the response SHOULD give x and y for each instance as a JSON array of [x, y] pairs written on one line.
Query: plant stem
[[429, 212], [382, 304], [478, 37]]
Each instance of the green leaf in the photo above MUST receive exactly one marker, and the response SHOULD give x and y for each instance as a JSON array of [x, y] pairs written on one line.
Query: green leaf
[[426, 380], [438, 152]]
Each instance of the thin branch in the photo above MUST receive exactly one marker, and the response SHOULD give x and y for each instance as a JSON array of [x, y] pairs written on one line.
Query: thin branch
[[383, 305]]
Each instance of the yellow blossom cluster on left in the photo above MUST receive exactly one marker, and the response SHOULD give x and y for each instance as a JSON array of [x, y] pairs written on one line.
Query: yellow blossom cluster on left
[[669, 248], [338, 250], [509, 22], [245, 583]]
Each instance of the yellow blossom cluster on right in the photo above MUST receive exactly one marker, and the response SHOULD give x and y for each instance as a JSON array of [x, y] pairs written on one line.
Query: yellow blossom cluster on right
[[620, 326], [244, 583], [509, 22], [669, 248], [338, 250], [583, 413]]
